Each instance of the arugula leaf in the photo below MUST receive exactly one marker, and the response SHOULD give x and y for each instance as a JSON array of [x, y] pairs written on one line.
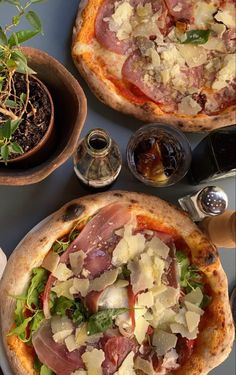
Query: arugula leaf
[[40, 368], [37, 320], [45, 370], [197, 37], [190, 277], [37, 365], [80, 314], [205, 301], [60, 246], [19, 315], [61, 305], [21, 330], [37, 285], [103, 320]]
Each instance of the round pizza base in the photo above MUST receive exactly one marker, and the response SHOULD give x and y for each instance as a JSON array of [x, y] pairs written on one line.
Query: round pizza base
[[214, 342], [148, 111]]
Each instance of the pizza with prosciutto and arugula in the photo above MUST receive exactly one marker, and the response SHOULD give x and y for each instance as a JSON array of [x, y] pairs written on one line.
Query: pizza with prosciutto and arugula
[[115, 284], [161, 60]]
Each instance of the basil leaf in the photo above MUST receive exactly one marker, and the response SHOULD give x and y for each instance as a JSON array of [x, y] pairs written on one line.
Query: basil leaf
[[197, 37], [37, 284], [102, 320]]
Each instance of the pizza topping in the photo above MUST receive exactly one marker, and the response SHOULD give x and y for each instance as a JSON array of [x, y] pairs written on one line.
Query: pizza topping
[[93, 360], [163, 341], [226, 74], [51, 261], [179, 9], [106, 279], [144, 365], [189, 106], [80, 286], [77, 261], [227, 15], [62, 272]]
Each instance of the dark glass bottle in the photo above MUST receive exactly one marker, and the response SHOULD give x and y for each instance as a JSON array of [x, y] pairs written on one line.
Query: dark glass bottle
[[215, 156]]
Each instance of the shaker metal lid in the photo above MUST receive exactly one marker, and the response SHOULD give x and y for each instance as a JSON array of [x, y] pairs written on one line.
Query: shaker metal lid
[[212, 200]]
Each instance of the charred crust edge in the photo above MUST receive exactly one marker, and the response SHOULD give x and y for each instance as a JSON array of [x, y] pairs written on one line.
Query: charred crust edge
[[73, 212]]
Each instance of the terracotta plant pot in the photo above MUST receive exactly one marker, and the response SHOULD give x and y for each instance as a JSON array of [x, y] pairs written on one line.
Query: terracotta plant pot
[[70, 109], [46, 143]]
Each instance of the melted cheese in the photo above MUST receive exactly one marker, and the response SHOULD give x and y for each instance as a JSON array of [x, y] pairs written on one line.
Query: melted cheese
[[189, 106], [62, 272], [113, 297], [93, 361], [193, 55], [119, 22], [203, 13]]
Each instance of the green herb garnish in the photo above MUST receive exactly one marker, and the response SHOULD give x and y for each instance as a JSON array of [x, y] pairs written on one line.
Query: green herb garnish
[[196, 37], [190, 277], [205, 301], [103, 320], [125, 272]]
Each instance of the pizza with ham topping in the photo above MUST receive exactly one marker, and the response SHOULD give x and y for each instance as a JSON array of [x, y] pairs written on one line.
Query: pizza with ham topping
[[115, 284], [161, 60]]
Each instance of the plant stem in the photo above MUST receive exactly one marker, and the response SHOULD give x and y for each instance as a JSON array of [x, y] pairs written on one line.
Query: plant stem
[[8, 113]]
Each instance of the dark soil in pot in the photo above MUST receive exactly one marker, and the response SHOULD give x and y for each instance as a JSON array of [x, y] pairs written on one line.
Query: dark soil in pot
[[36, 119]]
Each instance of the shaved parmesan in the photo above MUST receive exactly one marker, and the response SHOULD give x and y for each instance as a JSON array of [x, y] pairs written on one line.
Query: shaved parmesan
[[106, 279], [145, 299], [195, 296], [180, 317], [121, 283], [169, 297], [93, 361], [159, 247], [141, 327], [80, 286], [127, 366], [62, 288], [113, 297], [163, 341], [227, 15], [218, 28], [79, 372], [189, 106], [77, 261], [179, 328], [128, 247], [81, 334], [170, 360], [191, 307], [61, 327], [214, 44], [227, 72], [71, 343], [203, 13], [145, 366], [192, 320], [51, 261], [193, 55], [62, 272]]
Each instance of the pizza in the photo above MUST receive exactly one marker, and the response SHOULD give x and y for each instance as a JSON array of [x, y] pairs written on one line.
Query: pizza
[[161, 60], [116, 283]]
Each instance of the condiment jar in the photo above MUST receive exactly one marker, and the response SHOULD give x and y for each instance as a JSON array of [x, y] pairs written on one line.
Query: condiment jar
[[158, 155], [97, 160], [221, 229], [209, 201]]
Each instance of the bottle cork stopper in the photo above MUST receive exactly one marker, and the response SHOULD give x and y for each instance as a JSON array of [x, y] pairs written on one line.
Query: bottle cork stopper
[[221, 229]]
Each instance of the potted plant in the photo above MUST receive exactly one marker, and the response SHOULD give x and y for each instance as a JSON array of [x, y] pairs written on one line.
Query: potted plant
[[26, 106]]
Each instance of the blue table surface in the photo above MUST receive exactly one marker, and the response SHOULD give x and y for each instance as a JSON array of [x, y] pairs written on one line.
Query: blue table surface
[[23, 207]]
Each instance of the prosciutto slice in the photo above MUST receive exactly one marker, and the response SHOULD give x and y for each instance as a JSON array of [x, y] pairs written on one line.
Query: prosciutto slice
[[55, 356], [94, 241], [132, 72], [116, 349], [104, 35]]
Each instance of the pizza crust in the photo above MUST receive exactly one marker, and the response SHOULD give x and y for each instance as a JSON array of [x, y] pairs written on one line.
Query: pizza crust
[[107, 92], [214, 341]]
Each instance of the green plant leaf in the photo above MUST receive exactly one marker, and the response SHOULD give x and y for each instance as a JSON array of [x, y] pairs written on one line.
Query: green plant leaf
[[22, 98], [14, 125], [3, 36], [37, 320], [102, 320], [16, 148], [17, 55], [60, 246], [34, 20], [61, 305], [19, 316], [37, 284], [7, 129], [21, 36], [10, 103], [197, 37], [11, 64], [20, 330], [15, 20], [45, 370]]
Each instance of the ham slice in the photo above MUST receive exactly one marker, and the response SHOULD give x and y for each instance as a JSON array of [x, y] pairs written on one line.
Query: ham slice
[[180, 9], [104, 35], [133, 72], [55, 356], [94, 241], [116, 349], [229, 38]]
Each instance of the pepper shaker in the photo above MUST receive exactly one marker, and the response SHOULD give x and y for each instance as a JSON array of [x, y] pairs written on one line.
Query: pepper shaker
[[209, 201], [97, 160]]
